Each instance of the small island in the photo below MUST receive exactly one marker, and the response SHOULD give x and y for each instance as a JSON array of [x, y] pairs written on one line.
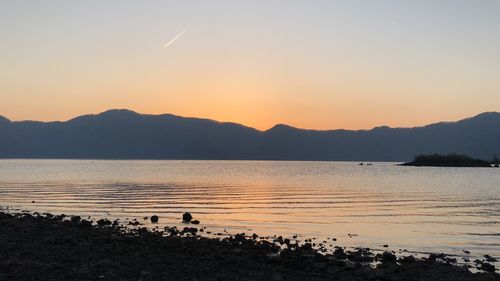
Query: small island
[[450, 160]]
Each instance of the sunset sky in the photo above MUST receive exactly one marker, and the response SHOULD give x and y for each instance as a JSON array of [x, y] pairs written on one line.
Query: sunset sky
[[311, 64]]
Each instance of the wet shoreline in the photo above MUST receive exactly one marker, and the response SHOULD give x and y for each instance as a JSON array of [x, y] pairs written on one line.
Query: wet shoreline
[[421, 210], [47, 247]]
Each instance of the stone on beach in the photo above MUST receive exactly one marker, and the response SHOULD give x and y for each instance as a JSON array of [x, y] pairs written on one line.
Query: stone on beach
[[187, 217], [487, 267], [154, 219], [388, 257], [103, 222], [490, 258], [190, 230]]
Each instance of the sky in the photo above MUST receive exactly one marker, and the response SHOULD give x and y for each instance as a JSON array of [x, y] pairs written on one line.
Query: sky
[[311, 64]]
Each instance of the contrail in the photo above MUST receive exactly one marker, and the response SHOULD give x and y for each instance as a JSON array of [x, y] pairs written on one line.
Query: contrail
[[175, 38]]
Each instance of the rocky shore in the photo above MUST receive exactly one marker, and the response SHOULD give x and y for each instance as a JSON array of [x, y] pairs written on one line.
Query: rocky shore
[[47, 247]]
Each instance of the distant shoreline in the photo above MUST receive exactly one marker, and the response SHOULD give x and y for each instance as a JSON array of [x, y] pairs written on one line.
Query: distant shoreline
[[44, 246], [201, 159]]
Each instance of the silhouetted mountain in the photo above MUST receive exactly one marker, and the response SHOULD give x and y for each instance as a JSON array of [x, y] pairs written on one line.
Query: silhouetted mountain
[[4, 120], [124, 134]]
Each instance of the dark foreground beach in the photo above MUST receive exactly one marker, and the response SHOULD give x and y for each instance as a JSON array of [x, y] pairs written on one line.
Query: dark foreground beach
[[47, 247]]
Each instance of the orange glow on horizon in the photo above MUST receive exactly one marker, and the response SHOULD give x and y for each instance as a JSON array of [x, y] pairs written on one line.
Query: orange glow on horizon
[[321, 65]]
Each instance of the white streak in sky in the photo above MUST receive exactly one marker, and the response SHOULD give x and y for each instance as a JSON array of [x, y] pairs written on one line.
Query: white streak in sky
[[175, 38]]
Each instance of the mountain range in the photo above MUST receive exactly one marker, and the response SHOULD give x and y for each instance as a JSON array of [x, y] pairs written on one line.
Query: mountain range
[[124, 134]]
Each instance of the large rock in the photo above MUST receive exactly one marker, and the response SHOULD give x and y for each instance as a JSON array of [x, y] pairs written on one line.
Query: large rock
[[488, 267], [154, 219], [388, 257], [187, 217]]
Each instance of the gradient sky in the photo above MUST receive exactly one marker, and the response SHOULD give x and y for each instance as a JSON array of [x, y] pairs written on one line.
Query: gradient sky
[[311, 64]]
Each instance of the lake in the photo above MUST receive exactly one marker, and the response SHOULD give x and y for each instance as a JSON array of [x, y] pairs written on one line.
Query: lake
[[421, 209]]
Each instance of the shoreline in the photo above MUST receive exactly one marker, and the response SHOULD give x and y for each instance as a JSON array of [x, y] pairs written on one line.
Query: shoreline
[[43, 246]]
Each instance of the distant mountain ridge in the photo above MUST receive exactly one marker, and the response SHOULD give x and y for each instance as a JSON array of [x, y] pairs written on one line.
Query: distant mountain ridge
[[125, 134]]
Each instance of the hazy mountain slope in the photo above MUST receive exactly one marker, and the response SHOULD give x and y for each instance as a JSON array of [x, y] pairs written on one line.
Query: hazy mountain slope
[[123, 134]]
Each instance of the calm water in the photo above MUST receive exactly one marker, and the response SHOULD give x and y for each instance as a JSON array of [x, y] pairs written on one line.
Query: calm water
[[420, 209]]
